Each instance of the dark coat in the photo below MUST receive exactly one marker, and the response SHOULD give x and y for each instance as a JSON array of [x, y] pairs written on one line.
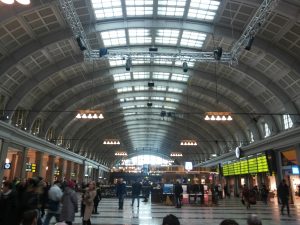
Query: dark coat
[[283, 191], [69, 205], [136, 189], [121, 189], [8, 208], [178, 189]]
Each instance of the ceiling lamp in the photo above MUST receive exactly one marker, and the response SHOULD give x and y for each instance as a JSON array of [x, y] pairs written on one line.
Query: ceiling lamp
[[7, 1], [188, 143], [89, 114], [111, 142], [22, 2], [218, 116], [121, 154], [176, 154]]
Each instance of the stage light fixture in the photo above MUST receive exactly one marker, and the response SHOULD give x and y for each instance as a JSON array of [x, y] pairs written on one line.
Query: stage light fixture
[[128, 64], [151, 84], [149, 104], [249, 44], [80, 43], [218, 53], [185, 67]]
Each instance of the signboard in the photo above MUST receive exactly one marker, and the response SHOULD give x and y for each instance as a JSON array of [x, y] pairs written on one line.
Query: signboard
[[262, 164], [295, 170], [237, 168], [168, 189], [244, 167], [188, 166], [225, 170], [252, 165], [30, 167], [7, 166]]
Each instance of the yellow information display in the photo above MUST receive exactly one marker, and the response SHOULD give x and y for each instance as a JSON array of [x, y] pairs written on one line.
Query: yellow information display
[[256, 164]]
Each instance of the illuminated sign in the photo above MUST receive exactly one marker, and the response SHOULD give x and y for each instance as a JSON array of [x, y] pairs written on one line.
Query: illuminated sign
[[295, 170], [262, 164], [237, 168], [225, 170], [188, 166], [7, 166], [252, 165], [30, 167], [244, 167]]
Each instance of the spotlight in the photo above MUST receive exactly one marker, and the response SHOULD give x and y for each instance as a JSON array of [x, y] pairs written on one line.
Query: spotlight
[[149, 104], [151, 84], [163, 113], [218, 53], [153, 49], [128, 64], [103, 52], [249, 44], [80, 43], [185, 67]]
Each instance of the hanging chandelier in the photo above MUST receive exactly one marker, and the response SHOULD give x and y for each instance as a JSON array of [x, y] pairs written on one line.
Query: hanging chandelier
[[218, 116], [111, 142], [188, 143], [89, 115], [176, 154], [120, 153], [22, 2]]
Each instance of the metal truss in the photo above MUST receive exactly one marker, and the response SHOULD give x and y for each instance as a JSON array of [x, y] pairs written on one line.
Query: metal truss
[[253, 27], [148, 56], [75, 24]]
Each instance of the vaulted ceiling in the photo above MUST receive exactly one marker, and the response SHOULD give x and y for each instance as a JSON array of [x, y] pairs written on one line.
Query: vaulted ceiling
[[43, 72]]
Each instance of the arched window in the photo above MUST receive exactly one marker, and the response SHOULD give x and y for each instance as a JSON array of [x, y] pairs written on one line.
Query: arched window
[[19, 118], [287, 122], [267, 130], [36, 128], [146, 159], [50, 135]]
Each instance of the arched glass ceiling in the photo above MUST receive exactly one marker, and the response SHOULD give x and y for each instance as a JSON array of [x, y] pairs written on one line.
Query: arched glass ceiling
[[146, 159]]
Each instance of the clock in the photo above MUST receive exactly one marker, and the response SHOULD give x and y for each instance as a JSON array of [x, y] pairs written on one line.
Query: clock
[[238, 152]]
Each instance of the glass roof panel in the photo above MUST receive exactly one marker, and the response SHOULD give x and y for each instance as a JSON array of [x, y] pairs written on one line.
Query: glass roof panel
[[107, 8], [129, 113], [113, 37], [122, 76], [141, 98], [157, 106], [179, 63], [139, 36], [179, 77], [124, 89], [162, 60], [167, 36], [126, 99], [129, 107], [160, 76], [203, 9], [141, 75], [192, 39], [139, 7], [171, 7], [172, 99], [160, 88], [169, 107], [158, 98], [177, 90], [113, 62], [140, 106], [141, 88]]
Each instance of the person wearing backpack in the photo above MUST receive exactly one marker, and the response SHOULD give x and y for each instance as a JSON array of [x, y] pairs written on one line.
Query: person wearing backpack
[[54, 197]]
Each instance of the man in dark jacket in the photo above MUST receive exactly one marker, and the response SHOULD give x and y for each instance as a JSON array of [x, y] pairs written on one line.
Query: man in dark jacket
[[178, 192], [121, 192], [283, 194], [136, 191], [8, 205]]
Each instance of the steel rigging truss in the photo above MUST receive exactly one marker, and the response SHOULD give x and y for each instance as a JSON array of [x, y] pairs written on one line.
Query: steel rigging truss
[[226, 57]]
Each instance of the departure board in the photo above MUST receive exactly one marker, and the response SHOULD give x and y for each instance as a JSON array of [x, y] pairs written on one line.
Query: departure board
[[262, 164], [244, 167], [230, 169], [225, 170], [237, 168], [252, 165]]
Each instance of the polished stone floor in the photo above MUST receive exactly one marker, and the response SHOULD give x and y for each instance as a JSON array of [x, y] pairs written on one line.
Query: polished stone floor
[[153, 214]]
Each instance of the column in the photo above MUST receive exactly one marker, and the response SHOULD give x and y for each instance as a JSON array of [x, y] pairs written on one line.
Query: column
[[50, 170], [81, 172], [39, 163], [22, 159], [61, 166], [3, 154], [68, 170], [13, 169]]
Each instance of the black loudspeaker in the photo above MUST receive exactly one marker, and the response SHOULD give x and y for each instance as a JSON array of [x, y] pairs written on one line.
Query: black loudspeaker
[[128, 64], [218, 53], [249, 44], [80, 43], [153, 49], [271, 159], [185, 67], [149, 104], [150, 84]]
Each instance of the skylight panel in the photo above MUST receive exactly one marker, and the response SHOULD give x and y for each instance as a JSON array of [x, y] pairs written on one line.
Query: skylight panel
[[157, 106], [139, 36], [126, 99], [140, 106], [160, 88], [163, 61], [113, 37], [139, 7], [129, 107], [177, 90], [158, 98], [169, 107], [124, 89], [121, 76], [167, 36], [141, 75], [203, 9], [140, 88], [179, 63], [129, 113], [192, 39], [171, 8], [107, 8], [160, 76], [172, 100], [141, 98], [179, 77], [113, 63]]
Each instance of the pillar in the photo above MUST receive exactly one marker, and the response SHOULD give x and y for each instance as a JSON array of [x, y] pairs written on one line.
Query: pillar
[[68, 171], [39, 163], [81, 174], [22, 159], [3, 154], [13, 169], [50, 171], [61, 166]]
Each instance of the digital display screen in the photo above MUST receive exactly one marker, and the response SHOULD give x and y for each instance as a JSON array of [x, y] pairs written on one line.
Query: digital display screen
[[244, 167], [168, 189], [262, 164], [295, 170], [237, 168], [230, 169], [225, 170], [252, 165]]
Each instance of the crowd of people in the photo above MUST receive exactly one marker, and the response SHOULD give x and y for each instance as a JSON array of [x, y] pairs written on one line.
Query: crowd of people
[[24, 203]]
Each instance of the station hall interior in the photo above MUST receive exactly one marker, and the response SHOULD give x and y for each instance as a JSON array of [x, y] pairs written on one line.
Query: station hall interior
[[196, 91]]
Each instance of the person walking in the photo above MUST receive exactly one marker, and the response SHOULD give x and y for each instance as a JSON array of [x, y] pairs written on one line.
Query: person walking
[[136, 191], [54, 197], [97, 199], [121, 192], [283, 194], [88, 201], [178, 192], [264, 192], [69, 204], [246, 196]]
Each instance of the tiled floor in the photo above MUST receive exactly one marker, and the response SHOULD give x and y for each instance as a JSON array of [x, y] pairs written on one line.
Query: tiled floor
[[153, 214]]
